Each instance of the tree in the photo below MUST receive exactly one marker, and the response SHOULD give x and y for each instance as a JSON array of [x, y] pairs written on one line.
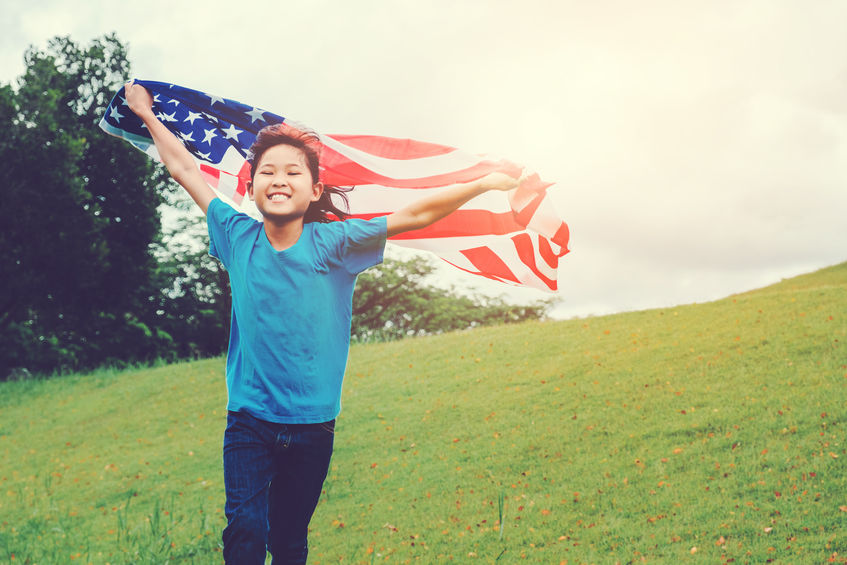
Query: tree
[[195, 301], [79, 215], [393, 300]]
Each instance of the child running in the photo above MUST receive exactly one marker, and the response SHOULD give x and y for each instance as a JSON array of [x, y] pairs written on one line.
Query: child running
[[292, 277]]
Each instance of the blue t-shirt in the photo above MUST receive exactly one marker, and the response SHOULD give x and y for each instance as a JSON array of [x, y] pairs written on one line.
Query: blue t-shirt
[[291, 312]]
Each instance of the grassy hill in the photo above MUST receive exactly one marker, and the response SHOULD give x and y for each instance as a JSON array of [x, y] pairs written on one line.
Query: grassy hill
[[706, 433]]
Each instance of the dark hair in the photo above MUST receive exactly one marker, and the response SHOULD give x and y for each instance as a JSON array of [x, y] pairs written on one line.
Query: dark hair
[[309, 143]]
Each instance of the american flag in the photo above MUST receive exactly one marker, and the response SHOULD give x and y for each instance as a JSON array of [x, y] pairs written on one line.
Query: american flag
[[516, 238]]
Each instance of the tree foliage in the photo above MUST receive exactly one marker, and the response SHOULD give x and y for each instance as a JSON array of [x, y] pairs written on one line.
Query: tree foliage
[[195, 301], [394, 300], [79, 215]]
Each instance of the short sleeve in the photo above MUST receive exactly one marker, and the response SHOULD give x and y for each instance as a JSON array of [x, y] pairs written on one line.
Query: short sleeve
[[225, 224], [364, 243], [352, 245]]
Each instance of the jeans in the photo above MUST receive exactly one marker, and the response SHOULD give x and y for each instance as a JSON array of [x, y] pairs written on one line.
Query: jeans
[[273, 476]]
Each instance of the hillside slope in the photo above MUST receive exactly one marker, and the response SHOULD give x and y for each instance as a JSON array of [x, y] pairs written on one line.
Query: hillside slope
[[711, 430]]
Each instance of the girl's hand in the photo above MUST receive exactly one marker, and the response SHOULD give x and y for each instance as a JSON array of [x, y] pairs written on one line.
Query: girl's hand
[[501, 181], [138, 98]]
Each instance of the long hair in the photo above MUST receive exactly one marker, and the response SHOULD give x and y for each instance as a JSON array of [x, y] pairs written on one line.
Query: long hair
[[324, 209]]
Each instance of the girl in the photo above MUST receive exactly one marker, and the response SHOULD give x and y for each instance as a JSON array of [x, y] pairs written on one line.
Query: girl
[[292, 278]]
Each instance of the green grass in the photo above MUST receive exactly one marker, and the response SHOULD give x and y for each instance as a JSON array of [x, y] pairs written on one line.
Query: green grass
[[706, 433]]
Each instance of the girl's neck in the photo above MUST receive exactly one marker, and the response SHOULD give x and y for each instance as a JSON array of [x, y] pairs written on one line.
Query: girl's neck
[[283, 235]]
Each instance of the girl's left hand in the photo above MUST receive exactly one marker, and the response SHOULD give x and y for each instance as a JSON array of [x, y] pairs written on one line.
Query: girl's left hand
[[138, 98]]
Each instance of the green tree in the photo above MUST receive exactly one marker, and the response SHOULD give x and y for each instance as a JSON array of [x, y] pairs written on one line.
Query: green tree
[[394, 300], [79, 214], [195, 301]]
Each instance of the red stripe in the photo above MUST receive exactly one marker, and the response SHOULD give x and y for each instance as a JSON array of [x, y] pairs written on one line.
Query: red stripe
[[547, 253], [461, 223], [211, 171], [492, 277], [489, 264], [243, 179], [338, 170], [523, 245], [241, 189], [562, 237], [392, 147], [525, 215]]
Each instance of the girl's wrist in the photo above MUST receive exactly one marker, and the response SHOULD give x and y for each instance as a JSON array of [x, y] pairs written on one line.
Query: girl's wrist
[[142, 111], [478, 186], [147, 116]]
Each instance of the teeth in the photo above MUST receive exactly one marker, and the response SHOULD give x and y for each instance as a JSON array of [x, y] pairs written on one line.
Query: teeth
[[278, 197]]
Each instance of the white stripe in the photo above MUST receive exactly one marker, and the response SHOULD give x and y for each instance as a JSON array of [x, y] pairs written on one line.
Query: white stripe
[[545, 220], [524, 275], [228, 184], [231, 162], [423, 167]]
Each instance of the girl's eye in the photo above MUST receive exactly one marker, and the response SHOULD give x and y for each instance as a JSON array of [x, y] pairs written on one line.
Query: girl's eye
[[293, 174], [265, 173]]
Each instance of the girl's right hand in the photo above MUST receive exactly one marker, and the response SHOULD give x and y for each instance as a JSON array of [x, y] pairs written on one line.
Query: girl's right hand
[[501, 181], [138, 98]]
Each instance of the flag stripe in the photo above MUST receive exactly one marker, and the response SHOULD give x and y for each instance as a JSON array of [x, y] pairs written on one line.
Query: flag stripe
[[545, 250], [391, 147], [420, 167], [487, 262], [340, 171], [523, 244], [461, 223], [562, 236]]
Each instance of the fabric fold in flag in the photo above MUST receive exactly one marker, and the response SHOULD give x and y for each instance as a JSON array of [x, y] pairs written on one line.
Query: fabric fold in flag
[[516, 238]]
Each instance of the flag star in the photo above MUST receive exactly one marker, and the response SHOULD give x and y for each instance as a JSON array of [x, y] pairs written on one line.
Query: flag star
[[205, 156], [166, 117], [213, 99], [255, 114], [115, 114], [172, 101], [231, 132], [156, 97], [210, 135], [123, 101], [192, 116], [186, 136]]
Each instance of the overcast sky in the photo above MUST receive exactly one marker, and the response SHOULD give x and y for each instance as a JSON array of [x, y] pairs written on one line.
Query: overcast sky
[[699, 148]]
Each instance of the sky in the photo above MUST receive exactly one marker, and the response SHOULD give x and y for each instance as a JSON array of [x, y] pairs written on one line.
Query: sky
[[699, 149]]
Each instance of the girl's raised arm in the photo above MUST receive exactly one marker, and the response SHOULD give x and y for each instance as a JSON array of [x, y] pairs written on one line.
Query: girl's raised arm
[[174, 155], [431, 209]]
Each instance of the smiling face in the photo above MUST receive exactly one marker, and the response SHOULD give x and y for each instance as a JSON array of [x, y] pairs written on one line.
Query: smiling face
[[282, 185]]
